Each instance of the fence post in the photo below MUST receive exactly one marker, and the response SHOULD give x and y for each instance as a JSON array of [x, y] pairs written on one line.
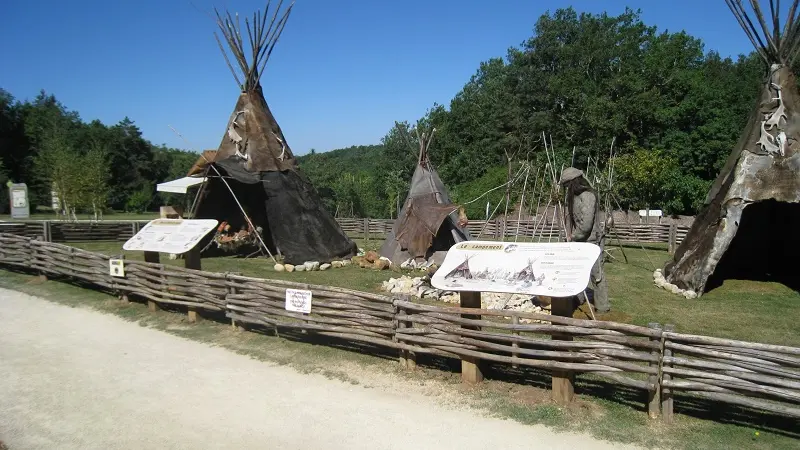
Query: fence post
[[673, 238], [666, 393], [366, 228], [46, 232], [231, 290], [515, 344], [408, 359], [470, 366], [654, 395], [563, 382]]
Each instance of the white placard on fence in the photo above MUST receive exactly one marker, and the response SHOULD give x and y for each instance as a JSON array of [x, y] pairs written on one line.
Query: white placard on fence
[[559, 269], [298, 300], [116, 268], [170, 235]]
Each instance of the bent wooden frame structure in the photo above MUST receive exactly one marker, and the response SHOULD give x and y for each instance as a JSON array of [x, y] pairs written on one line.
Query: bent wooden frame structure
[[655, 359]]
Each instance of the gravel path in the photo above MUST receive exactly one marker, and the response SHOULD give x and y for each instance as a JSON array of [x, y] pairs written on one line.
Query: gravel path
[[73, 378]]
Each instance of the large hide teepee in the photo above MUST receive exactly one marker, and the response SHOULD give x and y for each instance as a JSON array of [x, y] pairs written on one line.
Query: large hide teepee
[[748, 227], [428, 221], [255, 164]]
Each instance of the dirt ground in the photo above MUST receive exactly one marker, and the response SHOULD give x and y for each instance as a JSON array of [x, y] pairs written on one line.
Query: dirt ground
[[75, 378]]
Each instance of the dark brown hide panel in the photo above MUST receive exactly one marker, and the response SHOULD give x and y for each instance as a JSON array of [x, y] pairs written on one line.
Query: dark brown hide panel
[[420, 224], [262, 140]]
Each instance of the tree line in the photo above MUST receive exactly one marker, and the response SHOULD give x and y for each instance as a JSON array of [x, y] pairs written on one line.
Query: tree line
[[582, 82], [90, 167], [672, 111]]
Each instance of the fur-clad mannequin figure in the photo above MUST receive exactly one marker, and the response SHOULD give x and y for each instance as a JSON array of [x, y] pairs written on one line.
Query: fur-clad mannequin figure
[[585, 224]]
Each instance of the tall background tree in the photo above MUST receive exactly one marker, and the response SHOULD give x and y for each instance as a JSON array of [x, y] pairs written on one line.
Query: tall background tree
[[583, 80]]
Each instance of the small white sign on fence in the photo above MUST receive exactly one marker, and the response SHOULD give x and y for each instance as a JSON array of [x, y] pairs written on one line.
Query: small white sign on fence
[[298, 300], [559, 269], [116, 268]]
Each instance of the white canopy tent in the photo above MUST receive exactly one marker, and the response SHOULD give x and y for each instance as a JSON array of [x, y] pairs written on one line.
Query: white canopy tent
[[179, 186]]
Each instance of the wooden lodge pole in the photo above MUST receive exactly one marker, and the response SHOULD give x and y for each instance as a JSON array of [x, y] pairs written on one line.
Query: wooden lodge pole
[[470, 366], [563, 380]]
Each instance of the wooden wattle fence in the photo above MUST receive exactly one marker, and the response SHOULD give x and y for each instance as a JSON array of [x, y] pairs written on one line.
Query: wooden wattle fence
[[83, 231], [665, 365]]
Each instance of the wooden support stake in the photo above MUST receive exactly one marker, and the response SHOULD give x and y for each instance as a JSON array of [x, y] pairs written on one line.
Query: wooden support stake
[[191, 259], [152, 257], [666, 393], [470, 366], [408, 359], [152, 306], [654, 396], [193, 314], [673, 238], [366, 228], [563, 380], [515, 321]]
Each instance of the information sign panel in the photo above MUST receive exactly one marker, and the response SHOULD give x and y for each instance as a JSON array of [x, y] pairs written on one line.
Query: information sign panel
[[175, 236], [559, 269]]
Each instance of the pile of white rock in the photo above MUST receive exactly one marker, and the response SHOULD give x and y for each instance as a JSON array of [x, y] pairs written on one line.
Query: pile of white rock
[[660, 281], [420, 287], [311, 266]]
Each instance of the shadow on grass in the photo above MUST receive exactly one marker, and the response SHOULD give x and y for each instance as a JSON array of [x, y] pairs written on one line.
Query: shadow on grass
[[737, 415]]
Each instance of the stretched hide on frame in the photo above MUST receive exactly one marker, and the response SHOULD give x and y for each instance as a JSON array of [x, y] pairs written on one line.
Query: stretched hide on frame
[[420, 224], [431, 211]]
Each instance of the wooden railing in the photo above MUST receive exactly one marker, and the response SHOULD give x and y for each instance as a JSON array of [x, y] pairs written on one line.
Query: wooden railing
[[666, 365], [83, 231]]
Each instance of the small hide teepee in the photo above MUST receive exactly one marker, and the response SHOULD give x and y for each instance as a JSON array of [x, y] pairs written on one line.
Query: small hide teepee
[[254, 170], [748, 226], [428, 222]]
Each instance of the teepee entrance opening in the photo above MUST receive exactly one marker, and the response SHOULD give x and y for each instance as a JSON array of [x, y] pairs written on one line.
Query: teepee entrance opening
[[763, 248]]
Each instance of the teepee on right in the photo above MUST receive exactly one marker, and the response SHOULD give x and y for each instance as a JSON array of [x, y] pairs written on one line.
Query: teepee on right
[[748, 227]]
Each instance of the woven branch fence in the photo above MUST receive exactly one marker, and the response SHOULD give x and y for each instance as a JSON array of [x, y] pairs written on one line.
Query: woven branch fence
[[83, 231], [657, 361]]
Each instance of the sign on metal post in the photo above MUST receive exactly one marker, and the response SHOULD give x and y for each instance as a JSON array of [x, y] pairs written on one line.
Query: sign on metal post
[[559, 269], [20, 207], [175, 236]]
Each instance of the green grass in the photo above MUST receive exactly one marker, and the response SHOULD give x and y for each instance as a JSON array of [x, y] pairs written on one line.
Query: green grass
[[600, 410], [746, 310]]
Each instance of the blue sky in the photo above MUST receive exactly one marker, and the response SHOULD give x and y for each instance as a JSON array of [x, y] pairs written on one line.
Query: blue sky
[[341, 74]]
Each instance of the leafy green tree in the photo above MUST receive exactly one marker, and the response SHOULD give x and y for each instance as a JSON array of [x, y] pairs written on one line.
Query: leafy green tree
[[140, 200], [94, 189]]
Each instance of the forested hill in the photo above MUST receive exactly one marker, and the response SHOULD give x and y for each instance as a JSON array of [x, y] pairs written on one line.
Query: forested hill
[[673, 111]]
